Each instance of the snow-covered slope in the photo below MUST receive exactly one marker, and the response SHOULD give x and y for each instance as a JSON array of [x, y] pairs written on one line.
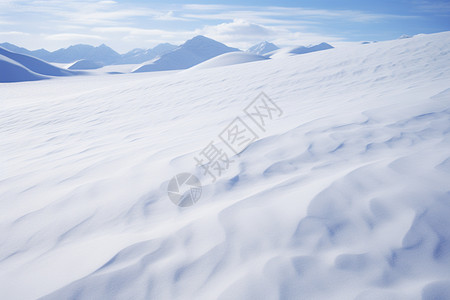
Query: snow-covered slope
[[84, 64], [228, 59], [17, 67], [35, 65], [12, 71], [344, 196], [192, 52], [262, 48]]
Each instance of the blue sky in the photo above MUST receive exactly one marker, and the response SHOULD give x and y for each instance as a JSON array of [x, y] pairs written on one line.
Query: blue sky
[[124, 25]]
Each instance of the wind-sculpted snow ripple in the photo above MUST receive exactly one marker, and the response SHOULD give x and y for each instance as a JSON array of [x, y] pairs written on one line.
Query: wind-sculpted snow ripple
[[344, 197]]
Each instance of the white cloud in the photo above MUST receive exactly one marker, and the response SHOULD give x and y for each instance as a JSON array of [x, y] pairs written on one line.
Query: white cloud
[[238, 27], [73, 37], [141, 32], [274, 13], [436, 6], [209, 7], [243, 34], [108, 17], [170, 16], [125, 25], [107, 2], [14, 33]]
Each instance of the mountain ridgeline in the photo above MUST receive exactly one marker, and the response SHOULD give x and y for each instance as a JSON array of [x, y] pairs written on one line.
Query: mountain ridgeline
[[102, 54]]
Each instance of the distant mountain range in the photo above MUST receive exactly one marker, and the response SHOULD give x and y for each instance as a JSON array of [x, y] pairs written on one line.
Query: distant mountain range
[[192, 52], [138, 56], [102, 54], [161, 58]]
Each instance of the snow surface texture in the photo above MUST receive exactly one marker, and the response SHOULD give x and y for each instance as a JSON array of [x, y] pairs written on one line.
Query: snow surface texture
[[346, 195], [228, 59], [17, 67], [192, 52]]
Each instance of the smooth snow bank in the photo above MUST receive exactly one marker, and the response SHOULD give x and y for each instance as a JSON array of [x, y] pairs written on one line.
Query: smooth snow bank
[[346, 196], [36, 65], [228, 59], [285, 52], [12, 71], [84, 64]]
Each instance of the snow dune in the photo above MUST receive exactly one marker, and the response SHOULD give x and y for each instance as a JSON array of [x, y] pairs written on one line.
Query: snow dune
[[345, 196]]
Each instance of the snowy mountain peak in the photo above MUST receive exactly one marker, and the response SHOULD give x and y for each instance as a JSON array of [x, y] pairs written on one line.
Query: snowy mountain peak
[[262, 48], [201, 41], [191, 53], [198, 39], [101, 54], [139, 55]]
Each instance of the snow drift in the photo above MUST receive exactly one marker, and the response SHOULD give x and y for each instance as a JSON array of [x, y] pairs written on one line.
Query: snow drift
[[345, 196]]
